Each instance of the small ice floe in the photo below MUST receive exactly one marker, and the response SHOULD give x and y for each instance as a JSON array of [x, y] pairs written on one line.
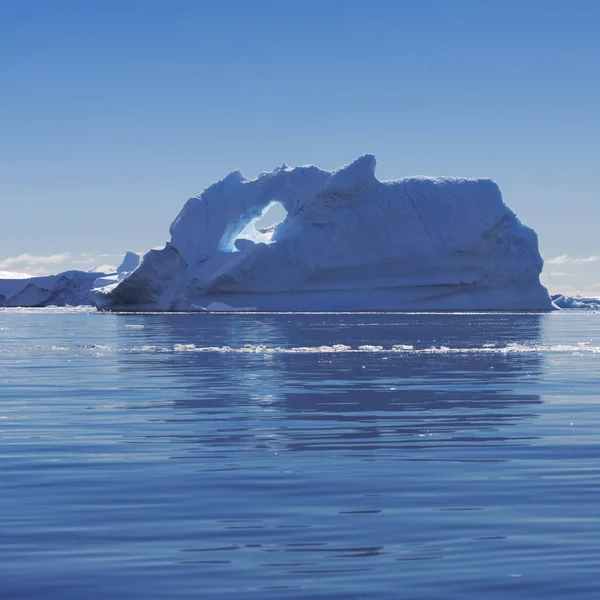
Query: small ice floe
[[589, 303], [222, 307]]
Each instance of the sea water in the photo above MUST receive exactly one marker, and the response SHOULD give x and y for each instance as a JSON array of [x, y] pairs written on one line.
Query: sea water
[[300, 456]]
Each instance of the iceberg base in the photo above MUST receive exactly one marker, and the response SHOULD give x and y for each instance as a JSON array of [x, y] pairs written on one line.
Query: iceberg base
[[523, 296]]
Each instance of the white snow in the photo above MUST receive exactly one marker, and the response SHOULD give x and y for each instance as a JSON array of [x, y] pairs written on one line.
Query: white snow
[[13, 275], [348, 242]]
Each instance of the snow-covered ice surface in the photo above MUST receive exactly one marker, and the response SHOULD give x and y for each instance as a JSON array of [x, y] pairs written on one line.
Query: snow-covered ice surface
[[70, 288], [349, 242], [13, 275]]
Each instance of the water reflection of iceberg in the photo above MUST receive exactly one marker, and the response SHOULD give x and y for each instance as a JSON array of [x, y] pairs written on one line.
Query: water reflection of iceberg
[[460, 379]]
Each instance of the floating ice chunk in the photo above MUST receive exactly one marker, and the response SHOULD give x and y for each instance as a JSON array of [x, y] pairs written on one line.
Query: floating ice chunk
[[588, 303], [222, 307], [184, 348]]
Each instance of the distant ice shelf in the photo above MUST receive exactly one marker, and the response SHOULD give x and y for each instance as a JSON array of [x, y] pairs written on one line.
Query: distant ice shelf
[[13, 275], [70, 288]]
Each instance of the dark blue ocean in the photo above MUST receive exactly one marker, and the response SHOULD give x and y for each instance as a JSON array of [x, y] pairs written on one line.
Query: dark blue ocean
[[290, 456]]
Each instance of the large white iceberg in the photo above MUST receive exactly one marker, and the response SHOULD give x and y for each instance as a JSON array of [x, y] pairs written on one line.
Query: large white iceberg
[[348, 242]]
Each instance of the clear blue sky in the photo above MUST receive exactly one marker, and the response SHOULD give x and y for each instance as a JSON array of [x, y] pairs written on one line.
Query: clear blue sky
[[114, 112]]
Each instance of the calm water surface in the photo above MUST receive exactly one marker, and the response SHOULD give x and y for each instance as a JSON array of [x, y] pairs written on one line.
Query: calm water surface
[[170, 456]]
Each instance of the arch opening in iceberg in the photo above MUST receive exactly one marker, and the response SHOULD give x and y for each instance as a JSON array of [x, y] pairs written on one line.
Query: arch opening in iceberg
[[259, 229]]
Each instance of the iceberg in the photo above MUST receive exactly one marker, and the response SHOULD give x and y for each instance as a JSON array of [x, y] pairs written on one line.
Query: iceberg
[[69, 288], [349, 242]]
